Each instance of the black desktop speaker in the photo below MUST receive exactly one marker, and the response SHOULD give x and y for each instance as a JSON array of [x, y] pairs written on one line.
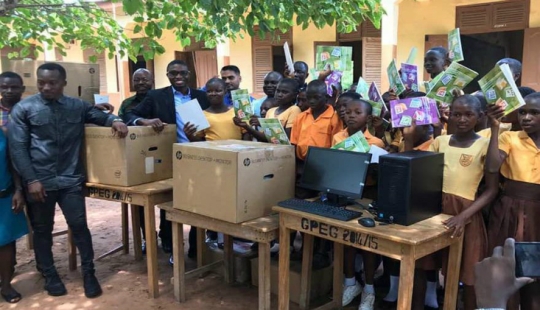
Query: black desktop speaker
[[410, 186]]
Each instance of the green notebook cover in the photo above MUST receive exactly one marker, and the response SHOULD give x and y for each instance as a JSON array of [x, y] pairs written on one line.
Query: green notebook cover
[[273, 131], [339, 58], [396, 84], [455, 50], [500, 88], [354, 143], [455, 77], [362, 88], [242, 104]]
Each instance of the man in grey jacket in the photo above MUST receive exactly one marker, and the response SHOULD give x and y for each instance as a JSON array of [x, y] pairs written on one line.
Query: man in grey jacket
[[46, 132]]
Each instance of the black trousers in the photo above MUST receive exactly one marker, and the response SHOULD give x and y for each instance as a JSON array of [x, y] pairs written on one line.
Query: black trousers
[[72, 203]]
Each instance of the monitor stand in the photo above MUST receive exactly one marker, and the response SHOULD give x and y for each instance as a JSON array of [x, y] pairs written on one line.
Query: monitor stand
[[336, 200]]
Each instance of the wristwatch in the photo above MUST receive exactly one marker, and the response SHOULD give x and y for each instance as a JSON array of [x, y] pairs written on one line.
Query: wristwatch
[[117, 120]]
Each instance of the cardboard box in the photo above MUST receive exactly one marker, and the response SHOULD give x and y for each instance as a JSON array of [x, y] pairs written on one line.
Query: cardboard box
[[144, 156], [321, 280], [232, 180]]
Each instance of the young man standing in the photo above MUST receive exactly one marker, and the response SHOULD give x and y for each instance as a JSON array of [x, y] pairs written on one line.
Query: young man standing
[[11, 89], [157, 109], [231, 76], [46, 132], [271, 81]]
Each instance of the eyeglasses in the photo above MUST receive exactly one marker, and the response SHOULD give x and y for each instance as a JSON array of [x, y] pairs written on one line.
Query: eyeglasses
[[173, 74]]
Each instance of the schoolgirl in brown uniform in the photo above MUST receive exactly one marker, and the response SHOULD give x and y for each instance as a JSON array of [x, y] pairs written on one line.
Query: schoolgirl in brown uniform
[[516, 214]]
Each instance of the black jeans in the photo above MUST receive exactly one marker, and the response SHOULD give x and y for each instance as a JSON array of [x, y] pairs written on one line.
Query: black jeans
[[72, 203]]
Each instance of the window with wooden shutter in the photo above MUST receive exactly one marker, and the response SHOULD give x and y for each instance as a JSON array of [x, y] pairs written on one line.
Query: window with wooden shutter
[[473, 19], [263, 57], [493, 17], [371, 56], [262, 64], [369, 30], [365, 29], [355, 35], [513, 15]]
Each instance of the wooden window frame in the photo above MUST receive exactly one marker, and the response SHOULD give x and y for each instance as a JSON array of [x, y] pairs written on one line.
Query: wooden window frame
[[256, 42], [491, 27]]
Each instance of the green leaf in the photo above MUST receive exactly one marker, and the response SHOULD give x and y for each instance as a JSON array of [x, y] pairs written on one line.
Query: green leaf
[[137, 29], [92, 59], [132, 6]]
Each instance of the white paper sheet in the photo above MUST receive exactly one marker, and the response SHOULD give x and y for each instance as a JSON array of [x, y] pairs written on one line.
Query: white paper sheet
[[288, 57], [191, 112], [376, 152], [101, 99]]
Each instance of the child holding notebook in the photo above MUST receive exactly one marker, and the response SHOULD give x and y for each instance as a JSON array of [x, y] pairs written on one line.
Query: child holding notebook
[[464, 155], [357, 114], [516, 213]]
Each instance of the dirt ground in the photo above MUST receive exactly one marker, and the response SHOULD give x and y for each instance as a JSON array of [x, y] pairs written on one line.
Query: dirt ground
[[123, 279]]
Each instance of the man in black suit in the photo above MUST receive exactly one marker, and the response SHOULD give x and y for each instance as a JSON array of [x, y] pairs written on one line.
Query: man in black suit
[[157, 109]]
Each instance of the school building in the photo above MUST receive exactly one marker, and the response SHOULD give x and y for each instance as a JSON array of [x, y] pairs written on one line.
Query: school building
[[490, 31]]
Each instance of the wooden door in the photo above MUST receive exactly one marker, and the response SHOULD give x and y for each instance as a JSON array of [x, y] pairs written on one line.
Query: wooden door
[[434, 40], [189, 59], [371, 60], [530, 75], [205, 66]]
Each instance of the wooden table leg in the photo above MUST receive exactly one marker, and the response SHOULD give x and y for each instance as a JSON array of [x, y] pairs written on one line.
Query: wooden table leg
[[136, 231], [338, 274], [264, 276], [200, 246], [284, 264], [406, 281], [305, 276], [228, 258], [452, 274], [179, 269], [125, 228], [151, 249], [72, 251]]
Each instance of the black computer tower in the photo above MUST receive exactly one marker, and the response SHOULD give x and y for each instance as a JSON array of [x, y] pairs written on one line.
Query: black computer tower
[[410, 186]]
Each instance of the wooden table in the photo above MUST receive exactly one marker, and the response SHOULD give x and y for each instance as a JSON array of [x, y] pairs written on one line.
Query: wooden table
[[147, 196], [262, 230], [404, 243]]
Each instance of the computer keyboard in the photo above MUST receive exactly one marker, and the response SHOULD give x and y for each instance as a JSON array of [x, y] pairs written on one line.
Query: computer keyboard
[[319, 208]]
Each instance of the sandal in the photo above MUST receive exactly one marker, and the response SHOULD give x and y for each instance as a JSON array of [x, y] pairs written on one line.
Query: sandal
[[12, 298]]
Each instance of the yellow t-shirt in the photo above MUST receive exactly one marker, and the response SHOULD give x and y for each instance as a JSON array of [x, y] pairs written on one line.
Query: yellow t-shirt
[[222, 126], [486, 133], [422, 147], [463, 167], [286, 117], [523, 161]]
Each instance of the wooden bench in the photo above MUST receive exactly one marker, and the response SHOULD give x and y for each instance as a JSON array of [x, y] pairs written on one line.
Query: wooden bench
[[262, 230]]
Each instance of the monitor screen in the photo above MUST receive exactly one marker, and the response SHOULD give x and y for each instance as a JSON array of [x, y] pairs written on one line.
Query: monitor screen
[[335, 171]]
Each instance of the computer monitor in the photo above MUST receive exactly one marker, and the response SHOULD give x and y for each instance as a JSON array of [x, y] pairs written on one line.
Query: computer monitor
[[335, 172]]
